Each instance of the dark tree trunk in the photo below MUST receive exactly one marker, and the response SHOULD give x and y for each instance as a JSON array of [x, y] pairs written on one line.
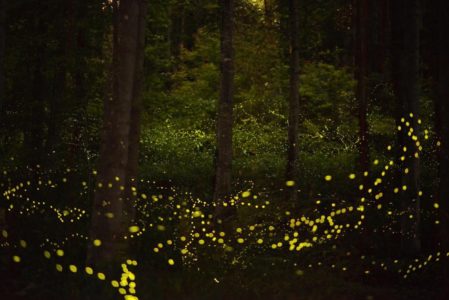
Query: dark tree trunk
[[223, 175], [361, 72], [291, 172], [443, 107], [136, 110], [2, 55], [176, 28], [35, 130], [79, 67], [114, 152], [405, 73], [268, 6]]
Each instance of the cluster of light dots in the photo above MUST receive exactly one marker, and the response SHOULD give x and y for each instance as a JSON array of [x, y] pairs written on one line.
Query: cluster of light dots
[[161, 213]]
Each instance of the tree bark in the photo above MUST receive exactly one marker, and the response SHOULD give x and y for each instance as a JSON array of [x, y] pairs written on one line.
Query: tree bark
[[405, 73], [223, 168], [2, 55], [114, 151], [361, 72], [35, 130], [443, 107], [268, 12], [136, 111], [291, 172]]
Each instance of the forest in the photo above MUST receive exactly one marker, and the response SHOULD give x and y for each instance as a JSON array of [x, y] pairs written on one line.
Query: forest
[[224, 149]]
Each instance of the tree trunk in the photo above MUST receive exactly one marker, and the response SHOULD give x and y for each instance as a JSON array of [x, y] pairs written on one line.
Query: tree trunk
[[108, 218], [443, 106], [136, 110], [223, 166], [2, 55], [361, 72], [405, 69], [268, 12], [35, 130], [291, 172]]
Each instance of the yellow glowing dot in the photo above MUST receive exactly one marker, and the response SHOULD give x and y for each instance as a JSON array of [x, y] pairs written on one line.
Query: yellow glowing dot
[[89, 270], [59, 268], [134, 229], [115, 283], [436, 205], [290, 183], [201, 242], [260, 241], [122, 291], [60, 252], [328, 177], [351, 176], [240, 240], [246, 194], [73, 268], [101, 276], [171, 262], [47, 254], [16, 259], [97, 243]]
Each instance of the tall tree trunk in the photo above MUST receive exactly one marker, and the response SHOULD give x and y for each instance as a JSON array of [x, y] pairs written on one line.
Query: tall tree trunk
[[2, 55], [361, 72], [405, 69], [136, 110], [2, 84], [268, 6], [79, 80], [223, 175], [443, 106], [176, 27], [291, 172], [108, 216], [35, 130]]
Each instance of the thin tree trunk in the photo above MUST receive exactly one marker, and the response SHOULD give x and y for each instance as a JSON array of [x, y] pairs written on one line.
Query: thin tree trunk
[[34, 133], [291, 172], [223, 175], [361, 72], [443, 105], [2, 55], [405, 59], [2, 83], [268, 12], [136, 110], [108, 219]]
